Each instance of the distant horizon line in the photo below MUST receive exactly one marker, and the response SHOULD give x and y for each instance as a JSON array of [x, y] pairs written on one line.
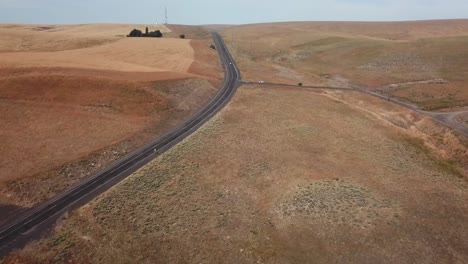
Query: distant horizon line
[[253, 23]]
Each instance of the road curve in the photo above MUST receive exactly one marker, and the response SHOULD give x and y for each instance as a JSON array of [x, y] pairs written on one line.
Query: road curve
[[450, 119], [30, 223]]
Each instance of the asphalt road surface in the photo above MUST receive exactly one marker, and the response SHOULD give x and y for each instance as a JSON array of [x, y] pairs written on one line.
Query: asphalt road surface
[[35, 221]]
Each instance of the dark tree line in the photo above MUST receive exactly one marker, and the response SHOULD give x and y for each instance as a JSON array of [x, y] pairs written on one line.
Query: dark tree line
[[139, 34]]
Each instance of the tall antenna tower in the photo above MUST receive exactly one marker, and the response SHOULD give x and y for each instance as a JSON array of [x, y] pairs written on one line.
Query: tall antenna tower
[[165, 9]]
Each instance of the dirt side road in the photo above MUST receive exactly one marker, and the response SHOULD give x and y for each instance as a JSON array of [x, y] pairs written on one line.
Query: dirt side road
[[303, 178]]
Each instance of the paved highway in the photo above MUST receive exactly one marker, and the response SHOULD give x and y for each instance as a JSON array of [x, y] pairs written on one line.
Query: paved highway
[[32, 222]]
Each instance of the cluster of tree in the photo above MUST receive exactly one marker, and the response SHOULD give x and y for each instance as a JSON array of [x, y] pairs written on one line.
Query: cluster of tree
[[138, 34]]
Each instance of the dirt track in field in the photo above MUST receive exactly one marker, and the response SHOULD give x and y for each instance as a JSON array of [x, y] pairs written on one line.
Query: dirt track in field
[[304, 177]]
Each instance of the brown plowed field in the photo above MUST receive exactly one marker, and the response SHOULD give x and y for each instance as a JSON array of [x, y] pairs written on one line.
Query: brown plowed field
[[129, 54], [67, 113]]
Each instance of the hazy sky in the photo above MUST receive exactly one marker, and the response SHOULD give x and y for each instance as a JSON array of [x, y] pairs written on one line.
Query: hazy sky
[[225, 11]]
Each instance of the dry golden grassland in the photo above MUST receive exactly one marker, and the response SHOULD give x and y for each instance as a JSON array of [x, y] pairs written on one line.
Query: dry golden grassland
[[424, 62], [23, 37], [280, 176]]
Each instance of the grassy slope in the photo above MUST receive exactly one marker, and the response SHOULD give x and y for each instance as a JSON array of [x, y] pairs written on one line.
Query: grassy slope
[[302, 178], [366, 54]]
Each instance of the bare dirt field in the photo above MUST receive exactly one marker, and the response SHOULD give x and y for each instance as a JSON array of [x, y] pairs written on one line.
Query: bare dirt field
[[127, 55], [283, 175], [16, 37], [392, 57], [69, 109]]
